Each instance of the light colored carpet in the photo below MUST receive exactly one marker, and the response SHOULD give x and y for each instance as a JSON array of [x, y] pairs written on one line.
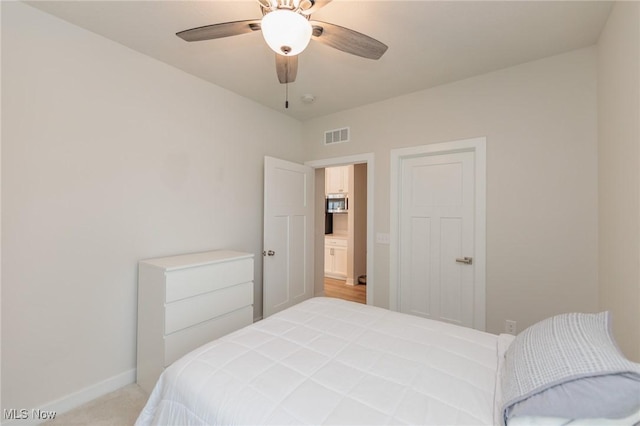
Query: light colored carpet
[[119, 408]]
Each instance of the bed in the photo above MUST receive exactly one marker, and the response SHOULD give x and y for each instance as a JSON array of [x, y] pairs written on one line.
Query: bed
[[330, 361]]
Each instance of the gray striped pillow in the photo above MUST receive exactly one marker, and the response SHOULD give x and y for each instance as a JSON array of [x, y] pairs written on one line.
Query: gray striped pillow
[[554, 355]]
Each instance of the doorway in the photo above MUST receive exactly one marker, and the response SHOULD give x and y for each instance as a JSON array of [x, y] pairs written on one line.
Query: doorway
[[358, 281], [345, 239]]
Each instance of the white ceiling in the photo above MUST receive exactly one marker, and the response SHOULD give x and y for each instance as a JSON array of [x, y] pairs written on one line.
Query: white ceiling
[[430, 43]]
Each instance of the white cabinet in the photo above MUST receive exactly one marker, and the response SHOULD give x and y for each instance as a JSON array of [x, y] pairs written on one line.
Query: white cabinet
[[336, 180], [335, 257], [186, 301]]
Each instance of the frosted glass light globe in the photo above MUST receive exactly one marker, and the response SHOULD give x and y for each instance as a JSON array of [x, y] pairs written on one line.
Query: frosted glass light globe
[[287, 33]]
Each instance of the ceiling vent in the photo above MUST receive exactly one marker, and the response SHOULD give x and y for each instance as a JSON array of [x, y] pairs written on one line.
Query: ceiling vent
[[336, 136]]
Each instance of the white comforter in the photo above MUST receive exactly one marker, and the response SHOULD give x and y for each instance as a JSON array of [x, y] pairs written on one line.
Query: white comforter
[[328, 361]]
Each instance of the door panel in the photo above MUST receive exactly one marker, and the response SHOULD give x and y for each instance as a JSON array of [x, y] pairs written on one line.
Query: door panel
[[288, 234], [417, 270], [450, 248], [436, 185], [297, 249], [275, 267]]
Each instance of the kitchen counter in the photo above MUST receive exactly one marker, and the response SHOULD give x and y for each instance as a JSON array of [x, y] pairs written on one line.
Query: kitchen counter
[[341, 236]]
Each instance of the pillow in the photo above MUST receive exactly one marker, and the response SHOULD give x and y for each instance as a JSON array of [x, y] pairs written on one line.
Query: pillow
[[569, 366], [633, 419]]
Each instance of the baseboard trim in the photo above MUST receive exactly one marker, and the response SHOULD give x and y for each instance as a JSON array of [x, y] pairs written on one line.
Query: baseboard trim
[[80, 397]]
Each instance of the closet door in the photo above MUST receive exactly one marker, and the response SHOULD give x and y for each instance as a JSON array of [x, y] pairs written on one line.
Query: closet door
[[438, 214]]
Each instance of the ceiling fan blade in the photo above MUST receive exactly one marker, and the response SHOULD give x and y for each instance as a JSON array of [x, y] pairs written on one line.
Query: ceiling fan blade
[[347, 40], [287, 68], [225, 29], [314, 6]]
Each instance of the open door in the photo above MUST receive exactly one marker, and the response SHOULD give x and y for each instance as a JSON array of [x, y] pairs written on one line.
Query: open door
[[288, 234]]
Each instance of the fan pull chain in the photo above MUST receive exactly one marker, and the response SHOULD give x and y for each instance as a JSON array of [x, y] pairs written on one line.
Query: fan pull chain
[[286, 101]]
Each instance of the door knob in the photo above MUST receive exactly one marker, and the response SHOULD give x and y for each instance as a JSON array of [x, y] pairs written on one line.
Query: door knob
[[269, 253], [465, 260]]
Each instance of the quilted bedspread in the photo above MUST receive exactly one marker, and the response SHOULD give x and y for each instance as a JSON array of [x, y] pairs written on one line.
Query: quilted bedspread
[[329, 361]]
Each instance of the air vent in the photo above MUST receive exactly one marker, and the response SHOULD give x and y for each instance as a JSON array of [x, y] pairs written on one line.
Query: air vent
[[336, 136]]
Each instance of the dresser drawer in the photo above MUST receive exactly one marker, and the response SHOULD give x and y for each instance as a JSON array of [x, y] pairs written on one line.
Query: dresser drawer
[[183, 283], [194, 310], [335, 242], [184, 341]]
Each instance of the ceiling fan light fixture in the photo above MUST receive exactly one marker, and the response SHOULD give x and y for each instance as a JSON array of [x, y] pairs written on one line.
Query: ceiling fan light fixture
[[286, 32]]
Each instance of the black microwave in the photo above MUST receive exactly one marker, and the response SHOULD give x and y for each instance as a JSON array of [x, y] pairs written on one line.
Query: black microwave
[[337, 203]]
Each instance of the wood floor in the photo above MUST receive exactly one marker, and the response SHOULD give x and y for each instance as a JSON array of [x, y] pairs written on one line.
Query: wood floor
[[340, 289]]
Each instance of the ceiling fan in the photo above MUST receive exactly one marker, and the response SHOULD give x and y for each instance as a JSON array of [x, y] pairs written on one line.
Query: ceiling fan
[[287, 28]]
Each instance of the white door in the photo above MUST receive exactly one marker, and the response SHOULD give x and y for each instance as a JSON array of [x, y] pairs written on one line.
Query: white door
[[436, 222], [288, 234]]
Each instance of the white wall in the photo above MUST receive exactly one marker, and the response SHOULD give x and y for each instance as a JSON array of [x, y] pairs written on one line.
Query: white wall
[[540, 122], [109, 157], [619, 168]]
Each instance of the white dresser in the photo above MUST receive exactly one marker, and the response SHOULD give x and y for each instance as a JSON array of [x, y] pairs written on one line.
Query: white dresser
[[186, 301]]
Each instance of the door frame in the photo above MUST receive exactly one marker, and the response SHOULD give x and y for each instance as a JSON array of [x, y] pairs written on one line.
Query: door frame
[[368, 159], [478, 147]]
